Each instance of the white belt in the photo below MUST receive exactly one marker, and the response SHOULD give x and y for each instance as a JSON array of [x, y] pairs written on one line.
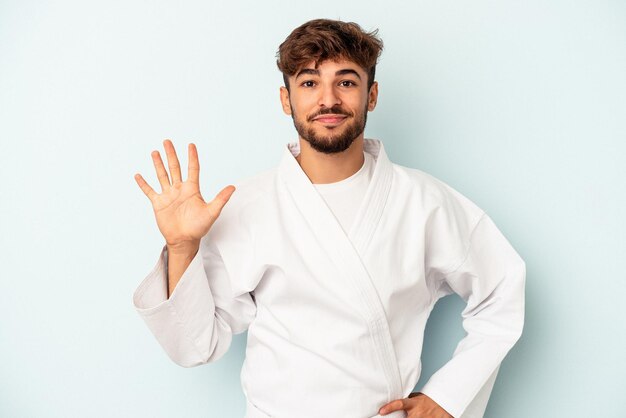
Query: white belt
[[253, 412]]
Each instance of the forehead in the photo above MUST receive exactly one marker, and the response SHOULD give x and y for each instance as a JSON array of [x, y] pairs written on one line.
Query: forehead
[[331, 66]]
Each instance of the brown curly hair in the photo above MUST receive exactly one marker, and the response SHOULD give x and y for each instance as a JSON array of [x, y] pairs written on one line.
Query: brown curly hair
[[325, 39]]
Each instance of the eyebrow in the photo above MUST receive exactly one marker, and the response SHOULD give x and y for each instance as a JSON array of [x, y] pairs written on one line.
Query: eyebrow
[[317, 72]]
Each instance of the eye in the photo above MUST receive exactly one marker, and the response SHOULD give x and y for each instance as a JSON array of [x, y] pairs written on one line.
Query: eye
[[308, 83], [347, 83]]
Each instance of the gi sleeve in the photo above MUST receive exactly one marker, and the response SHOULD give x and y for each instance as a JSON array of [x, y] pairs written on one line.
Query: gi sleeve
[[195, 325], [490, 278]]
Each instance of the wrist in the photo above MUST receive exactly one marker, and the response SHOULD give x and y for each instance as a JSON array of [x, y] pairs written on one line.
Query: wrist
[[186, 248]]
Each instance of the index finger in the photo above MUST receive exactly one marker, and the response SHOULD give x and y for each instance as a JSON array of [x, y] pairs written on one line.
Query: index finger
[[193, 172]]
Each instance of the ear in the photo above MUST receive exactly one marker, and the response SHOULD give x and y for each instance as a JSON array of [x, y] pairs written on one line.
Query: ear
[[284, 100], [372, 96]]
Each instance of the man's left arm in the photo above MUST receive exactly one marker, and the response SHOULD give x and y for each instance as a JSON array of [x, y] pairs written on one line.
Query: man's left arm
[[491, 280]]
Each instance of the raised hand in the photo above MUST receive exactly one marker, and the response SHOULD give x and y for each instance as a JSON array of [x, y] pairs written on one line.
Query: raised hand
[[182, 215]]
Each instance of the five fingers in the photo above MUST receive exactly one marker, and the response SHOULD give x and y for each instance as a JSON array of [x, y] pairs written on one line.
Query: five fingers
[[193, 173]]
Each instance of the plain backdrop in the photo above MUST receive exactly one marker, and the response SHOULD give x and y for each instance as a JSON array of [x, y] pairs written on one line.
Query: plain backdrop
[[519, 105]]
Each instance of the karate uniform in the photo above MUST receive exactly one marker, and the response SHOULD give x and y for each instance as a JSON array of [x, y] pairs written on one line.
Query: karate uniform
[[344, 197], [336, 320]]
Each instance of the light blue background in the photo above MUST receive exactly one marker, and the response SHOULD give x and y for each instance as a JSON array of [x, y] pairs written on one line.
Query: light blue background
[[520, 105]]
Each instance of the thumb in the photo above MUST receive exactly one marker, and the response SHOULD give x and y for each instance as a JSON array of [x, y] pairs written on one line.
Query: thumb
[[397, 405], [216, 205], [225, 194]]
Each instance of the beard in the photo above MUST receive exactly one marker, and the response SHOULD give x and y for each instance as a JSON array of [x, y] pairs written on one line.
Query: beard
[[333, 142]]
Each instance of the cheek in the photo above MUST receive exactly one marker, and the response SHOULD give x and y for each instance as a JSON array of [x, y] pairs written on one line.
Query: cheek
[[301, 108], [357, 102]]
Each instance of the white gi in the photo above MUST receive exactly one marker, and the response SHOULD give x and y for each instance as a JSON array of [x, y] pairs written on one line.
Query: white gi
[[336, 321]]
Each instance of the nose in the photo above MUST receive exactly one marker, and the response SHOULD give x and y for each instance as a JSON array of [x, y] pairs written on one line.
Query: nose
[[328, 96]]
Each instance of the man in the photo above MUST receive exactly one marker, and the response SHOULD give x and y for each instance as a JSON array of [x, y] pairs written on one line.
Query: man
[[332, 261]]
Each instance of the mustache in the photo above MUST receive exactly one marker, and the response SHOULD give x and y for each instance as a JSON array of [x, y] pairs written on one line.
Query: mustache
[[337, 110]]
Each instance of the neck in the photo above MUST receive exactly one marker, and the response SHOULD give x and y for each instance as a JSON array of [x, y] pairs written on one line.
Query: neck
[[323, 168]]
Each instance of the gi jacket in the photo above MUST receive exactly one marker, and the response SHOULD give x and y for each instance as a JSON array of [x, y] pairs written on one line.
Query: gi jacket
[[336, 321]]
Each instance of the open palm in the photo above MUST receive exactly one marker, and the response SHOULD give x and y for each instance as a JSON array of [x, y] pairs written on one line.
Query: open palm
[[182, 215]]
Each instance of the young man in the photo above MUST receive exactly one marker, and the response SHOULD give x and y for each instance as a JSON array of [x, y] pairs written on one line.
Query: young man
[[332, 261]]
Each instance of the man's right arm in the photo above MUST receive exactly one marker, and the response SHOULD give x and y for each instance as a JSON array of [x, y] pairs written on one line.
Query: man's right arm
[[178, 260], [187, 323], [177, 299]]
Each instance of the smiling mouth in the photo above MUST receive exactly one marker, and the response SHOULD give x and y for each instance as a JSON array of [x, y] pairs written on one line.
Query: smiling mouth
[[330, 119]]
